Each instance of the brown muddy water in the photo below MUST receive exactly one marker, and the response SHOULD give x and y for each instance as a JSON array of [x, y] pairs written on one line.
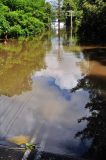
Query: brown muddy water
[[53, 94]]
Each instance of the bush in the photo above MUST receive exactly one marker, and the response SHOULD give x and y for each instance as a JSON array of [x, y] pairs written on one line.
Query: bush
[[15, 30], [23, 17], [4, 26], [93, 24]]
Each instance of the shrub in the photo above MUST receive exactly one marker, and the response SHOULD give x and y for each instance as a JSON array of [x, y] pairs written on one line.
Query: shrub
[[23, 17]]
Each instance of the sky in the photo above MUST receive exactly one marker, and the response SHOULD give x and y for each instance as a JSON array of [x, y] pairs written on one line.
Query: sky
[[49, 0], [53, 2]]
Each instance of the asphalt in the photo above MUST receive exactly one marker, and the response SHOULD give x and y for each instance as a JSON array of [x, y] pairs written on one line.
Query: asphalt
[[17, 154], [11, 154]]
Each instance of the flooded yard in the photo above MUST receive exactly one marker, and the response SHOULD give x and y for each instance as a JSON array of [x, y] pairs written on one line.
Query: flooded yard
[[54, 95]]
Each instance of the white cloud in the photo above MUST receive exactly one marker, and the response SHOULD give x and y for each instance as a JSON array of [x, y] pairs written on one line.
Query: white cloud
[[65, 72]]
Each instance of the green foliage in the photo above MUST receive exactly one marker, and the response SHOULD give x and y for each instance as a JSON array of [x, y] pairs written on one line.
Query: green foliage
[[30, 146], [89, 18], [24, 17], [15, 30], [72, 4], [93, 24], [77, 13], [4, 25]]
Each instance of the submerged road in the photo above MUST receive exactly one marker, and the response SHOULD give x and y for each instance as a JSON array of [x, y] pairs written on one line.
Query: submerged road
[[42, 110]]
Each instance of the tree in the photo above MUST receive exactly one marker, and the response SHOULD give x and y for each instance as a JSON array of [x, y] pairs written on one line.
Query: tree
[[24, 17], [89, 19], [95, 130], [93, 23]]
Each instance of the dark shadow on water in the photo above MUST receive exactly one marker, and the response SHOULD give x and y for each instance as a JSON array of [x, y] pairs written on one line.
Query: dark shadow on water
[[96, 54], [76, 150], [95, 129]]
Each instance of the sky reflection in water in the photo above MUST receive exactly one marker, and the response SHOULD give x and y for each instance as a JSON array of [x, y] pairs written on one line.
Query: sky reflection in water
[[46, 112]]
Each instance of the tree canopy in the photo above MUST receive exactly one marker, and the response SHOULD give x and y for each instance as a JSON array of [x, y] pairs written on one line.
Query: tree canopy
[[24, 17], [89, 21]]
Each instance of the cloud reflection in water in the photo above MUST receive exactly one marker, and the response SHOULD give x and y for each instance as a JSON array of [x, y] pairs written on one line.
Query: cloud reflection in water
[[66, 73]]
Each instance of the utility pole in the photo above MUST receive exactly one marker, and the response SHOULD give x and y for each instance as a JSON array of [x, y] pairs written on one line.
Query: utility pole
[[71, 25], [71, 19], [59, 11], [59, 17], [59, 49]]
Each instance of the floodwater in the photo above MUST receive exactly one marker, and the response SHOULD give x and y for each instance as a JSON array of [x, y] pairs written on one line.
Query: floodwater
[[46, 87]]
